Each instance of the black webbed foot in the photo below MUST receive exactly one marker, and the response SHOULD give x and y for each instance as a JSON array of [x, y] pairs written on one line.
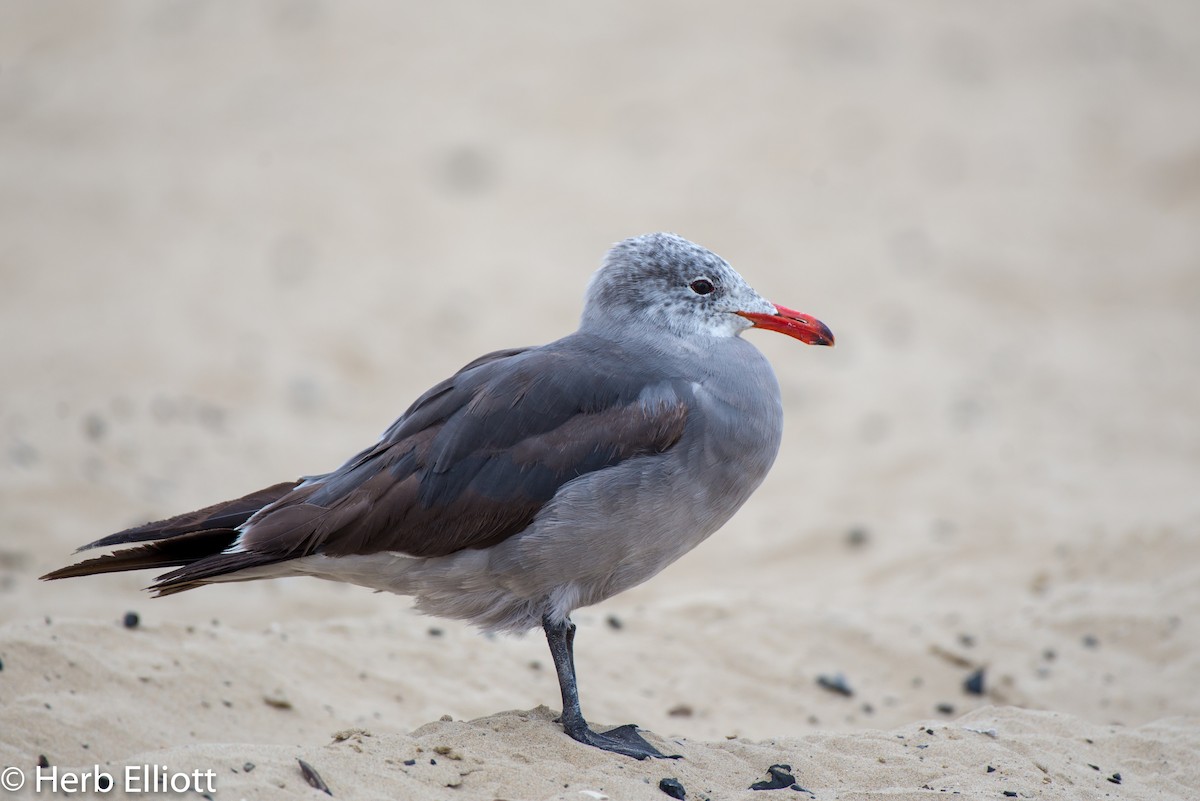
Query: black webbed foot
[[621, 740]]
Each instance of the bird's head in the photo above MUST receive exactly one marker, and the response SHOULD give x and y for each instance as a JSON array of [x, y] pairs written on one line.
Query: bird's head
[[664, 282]]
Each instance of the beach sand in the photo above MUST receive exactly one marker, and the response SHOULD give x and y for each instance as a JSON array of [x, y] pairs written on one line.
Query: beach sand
[[238, 240]]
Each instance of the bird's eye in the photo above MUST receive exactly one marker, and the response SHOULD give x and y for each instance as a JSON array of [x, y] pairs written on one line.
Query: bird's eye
[[702, 286]]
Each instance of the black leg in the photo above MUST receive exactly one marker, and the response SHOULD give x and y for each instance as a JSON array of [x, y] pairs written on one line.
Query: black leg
[[621, 740]]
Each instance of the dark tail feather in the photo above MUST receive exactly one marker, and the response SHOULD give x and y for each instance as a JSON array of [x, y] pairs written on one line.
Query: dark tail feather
[[199, 572], [182, 549], [227, 514], [193, 540]]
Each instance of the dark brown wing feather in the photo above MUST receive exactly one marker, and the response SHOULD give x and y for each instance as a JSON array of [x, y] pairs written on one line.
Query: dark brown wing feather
[[468, 465], [474, 462], [181, 549], [224, 515], [178, 540]]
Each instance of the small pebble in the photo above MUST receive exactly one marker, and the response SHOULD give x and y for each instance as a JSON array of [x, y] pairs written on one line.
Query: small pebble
[[277, 700], [1090, 641], [410, 762], [945, 709], [1010, 793], [1115, 778], [615, 624], [43, 762], [248, 766], [857, 537], [973, 684], [781, 777], [991, 769], [835, 683], [673, 788], [131, 620], [434, 631]]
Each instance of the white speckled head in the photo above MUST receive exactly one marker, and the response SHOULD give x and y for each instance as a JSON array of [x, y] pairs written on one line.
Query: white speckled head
[[663, 281]]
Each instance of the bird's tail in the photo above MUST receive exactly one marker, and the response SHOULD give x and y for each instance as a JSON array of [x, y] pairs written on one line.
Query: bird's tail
[[177, 541]]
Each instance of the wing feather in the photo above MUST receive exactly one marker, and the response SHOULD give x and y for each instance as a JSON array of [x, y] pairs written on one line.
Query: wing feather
[[496, 444], [468, 465]]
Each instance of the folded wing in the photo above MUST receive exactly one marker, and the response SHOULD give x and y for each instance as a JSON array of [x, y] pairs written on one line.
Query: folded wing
[[471, 463]]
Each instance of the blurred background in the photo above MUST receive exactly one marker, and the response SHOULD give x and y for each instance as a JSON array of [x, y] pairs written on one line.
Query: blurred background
[[237, 239]]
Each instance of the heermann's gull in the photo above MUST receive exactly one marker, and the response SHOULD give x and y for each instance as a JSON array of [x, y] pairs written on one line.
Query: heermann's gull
[[533, 481]]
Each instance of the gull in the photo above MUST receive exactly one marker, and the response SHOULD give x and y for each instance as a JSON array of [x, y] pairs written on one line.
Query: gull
[[534, 481]]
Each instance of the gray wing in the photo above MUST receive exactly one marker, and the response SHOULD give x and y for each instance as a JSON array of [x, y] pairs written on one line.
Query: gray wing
[[472, 461]]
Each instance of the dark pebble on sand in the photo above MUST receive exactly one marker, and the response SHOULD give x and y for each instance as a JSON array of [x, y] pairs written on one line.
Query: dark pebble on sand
[[131, 620], [410, 762], [781, 778], [1, 664], [248, 766], [43, 762], [1115, 778], [615, 624], [857, 537], [991, 769], [1090, 641], [673, 788], [1010, 793], [434, 631], [973, 684], [945, 709], [835, 683]]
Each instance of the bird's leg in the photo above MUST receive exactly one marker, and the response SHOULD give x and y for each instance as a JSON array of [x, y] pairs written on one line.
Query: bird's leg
[[621, 740]]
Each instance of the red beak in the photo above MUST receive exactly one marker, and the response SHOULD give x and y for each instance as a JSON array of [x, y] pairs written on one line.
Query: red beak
[[803, 327]]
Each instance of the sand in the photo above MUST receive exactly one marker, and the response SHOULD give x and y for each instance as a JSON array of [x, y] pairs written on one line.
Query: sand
[[237, 240]]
